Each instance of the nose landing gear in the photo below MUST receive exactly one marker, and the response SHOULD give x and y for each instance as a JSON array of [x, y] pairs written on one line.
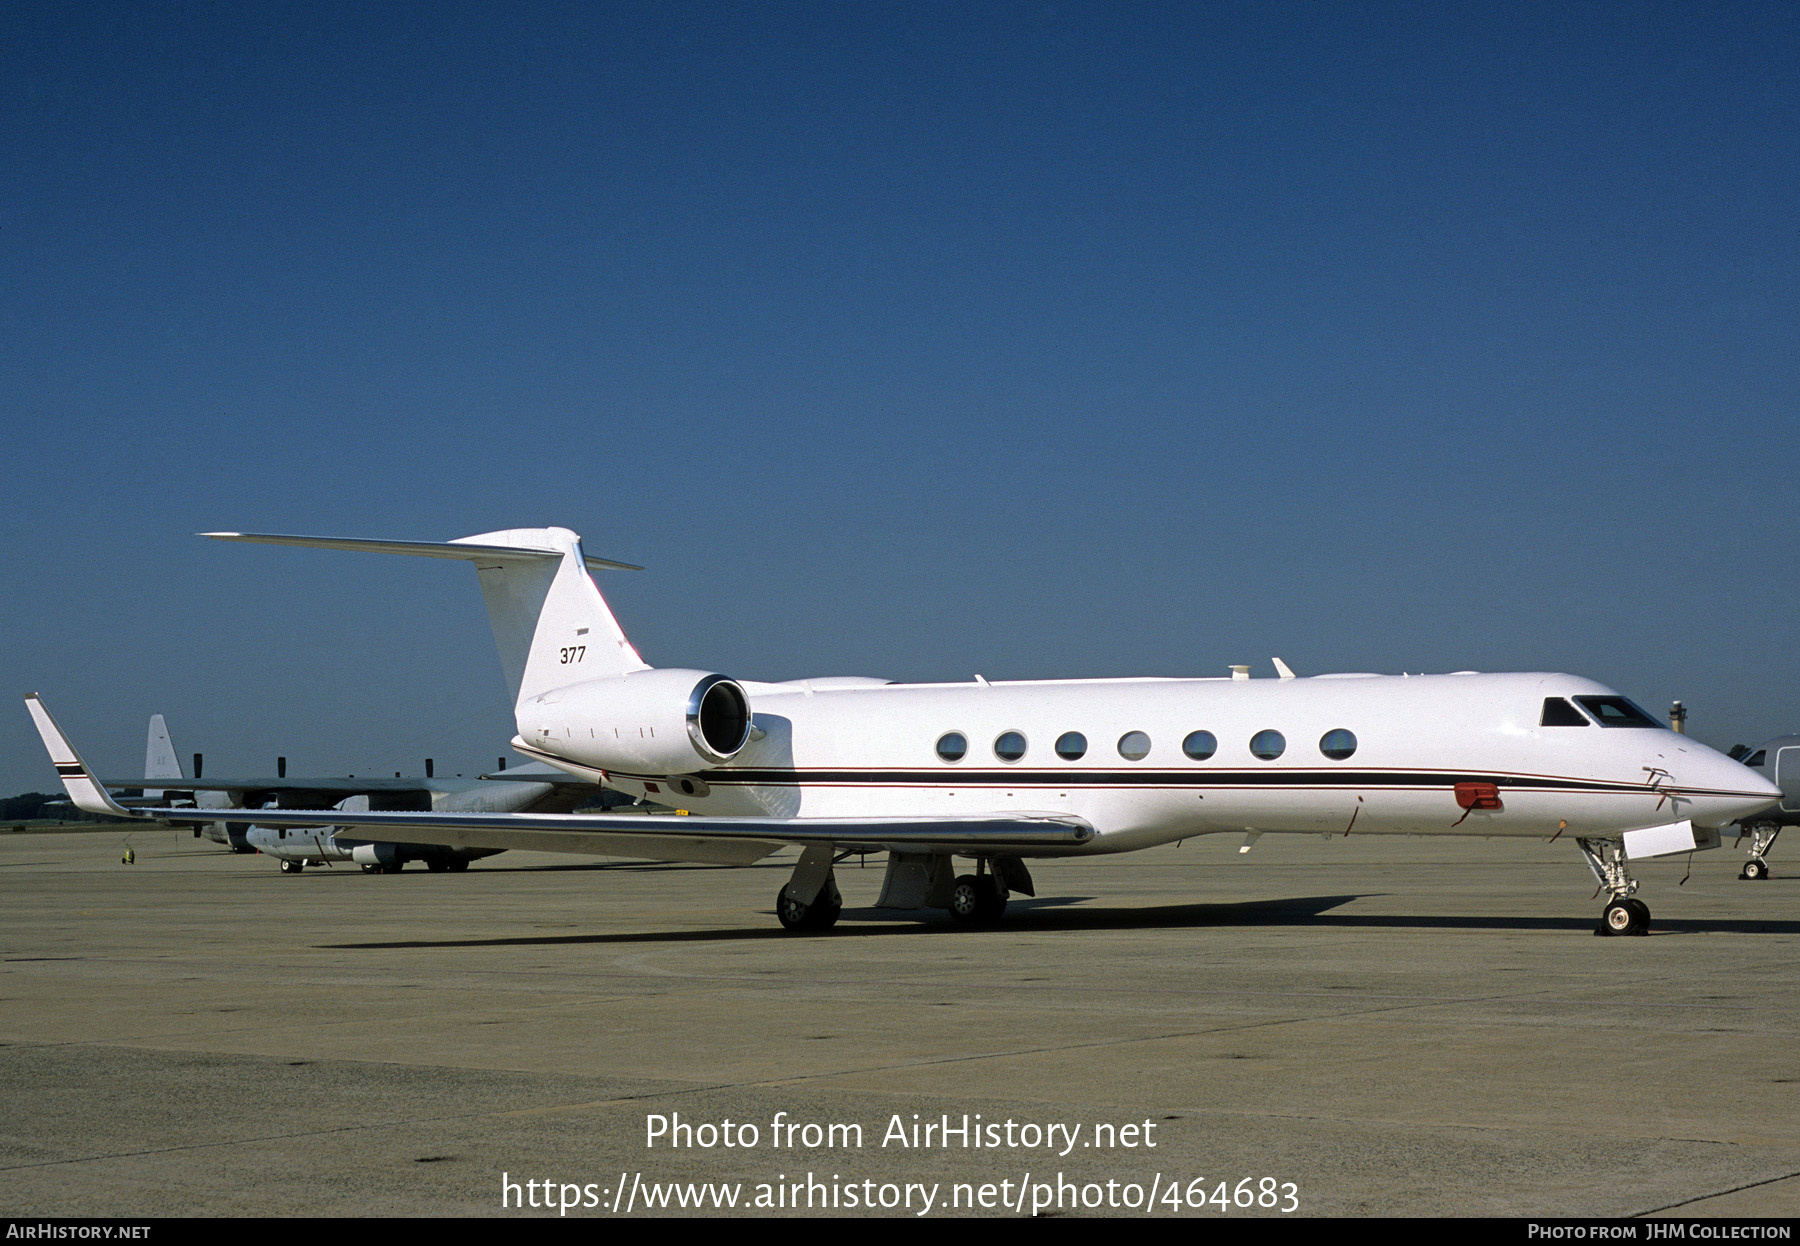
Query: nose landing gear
[[1624, 914]]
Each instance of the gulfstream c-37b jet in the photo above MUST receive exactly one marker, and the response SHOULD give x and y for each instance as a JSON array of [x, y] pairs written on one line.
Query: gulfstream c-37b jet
[[1001, 772]]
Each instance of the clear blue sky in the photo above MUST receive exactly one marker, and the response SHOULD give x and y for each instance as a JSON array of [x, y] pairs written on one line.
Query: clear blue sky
[[909, 340]]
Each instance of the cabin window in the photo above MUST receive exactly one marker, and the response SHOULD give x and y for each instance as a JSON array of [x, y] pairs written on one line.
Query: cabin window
[[1337, 744], [1268, 745], [1757, 758], [1616, 712], [951, 746], [1559, 713], [1010, 746], [1071, 745], [1134, 746], [1200, 745]]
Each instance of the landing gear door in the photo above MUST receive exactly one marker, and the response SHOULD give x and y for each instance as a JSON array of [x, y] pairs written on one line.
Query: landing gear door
[[1787, 778]]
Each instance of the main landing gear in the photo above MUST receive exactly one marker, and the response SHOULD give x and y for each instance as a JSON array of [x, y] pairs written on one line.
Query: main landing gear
[[914, 880], [820, 914], [1624, 914], [810, 900], [292, 867], [977, 899]]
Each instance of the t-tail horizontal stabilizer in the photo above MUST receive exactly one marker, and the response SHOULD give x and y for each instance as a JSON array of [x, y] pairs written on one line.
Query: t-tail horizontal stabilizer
[[541, 601]]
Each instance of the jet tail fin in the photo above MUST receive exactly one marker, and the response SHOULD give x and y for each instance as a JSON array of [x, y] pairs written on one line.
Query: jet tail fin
[[550, 622], [83, 788]]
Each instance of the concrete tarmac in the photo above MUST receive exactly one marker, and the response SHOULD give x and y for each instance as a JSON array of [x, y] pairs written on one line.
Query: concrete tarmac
[[1359, 1026]]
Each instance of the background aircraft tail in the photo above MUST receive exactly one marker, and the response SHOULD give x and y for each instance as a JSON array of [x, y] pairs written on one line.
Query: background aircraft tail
[[160, 761], [550, 622]]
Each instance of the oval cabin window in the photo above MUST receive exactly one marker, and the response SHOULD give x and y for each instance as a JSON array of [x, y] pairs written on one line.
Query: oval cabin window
[[1200, 745], [1268, 745]]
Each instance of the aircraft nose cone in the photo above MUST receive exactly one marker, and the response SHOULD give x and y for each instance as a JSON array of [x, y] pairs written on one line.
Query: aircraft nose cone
[[1735, 790]]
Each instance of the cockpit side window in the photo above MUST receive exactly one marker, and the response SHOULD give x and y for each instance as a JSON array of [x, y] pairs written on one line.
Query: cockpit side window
[[1616, 712], [1757, 758], [1559, 713]]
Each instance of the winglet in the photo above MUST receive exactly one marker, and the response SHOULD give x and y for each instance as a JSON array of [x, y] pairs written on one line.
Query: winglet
[[83, 788]]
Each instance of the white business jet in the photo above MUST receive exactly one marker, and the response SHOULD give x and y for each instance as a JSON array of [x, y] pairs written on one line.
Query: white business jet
[[998, 772]]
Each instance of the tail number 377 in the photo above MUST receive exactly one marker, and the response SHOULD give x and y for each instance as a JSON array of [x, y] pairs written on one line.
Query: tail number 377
[[573, 653]]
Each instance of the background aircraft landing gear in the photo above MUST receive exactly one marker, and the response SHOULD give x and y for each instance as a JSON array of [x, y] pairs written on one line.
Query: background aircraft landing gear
[[1762, 838], [821, 914], [292, 867], [977, 900]]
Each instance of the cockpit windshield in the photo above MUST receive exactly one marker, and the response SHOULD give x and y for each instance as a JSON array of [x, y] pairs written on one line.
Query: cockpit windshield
[[1616, 712], [1559, 713]]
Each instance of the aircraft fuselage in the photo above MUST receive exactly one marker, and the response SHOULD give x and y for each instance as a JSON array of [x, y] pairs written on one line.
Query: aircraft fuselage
[[1399, 747]]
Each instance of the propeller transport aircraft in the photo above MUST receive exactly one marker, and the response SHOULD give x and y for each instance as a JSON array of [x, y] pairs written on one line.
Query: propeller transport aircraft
[[538, 788], [1004, 771]]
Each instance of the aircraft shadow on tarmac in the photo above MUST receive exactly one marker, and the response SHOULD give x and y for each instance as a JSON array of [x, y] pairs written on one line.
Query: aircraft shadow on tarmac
[[1057, 914], [637, 867]]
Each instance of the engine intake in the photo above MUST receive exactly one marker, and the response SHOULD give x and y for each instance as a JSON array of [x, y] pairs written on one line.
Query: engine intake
[[718, 717]]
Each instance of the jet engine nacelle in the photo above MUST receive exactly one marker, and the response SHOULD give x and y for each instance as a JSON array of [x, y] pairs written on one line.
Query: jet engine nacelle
[[648, 722]]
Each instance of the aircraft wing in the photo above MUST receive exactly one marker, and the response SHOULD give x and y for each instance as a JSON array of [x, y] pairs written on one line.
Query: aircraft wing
[[655, 837], [666, 837], [340, 786]]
